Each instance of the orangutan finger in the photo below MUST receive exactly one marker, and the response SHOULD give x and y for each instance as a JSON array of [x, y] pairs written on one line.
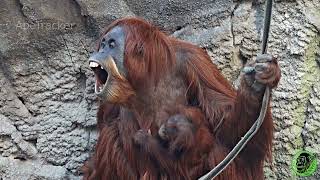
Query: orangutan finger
[[248, 70]]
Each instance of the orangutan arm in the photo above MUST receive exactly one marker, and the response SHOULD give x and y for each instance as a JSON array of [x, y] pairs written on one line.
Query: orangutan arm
[[247, 108], [115, 155], [231, 113]]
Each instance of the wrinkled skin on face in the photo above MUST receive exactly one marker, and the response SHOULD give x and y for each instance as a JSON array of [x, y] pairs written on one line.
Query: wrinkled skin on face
[[108, 65]]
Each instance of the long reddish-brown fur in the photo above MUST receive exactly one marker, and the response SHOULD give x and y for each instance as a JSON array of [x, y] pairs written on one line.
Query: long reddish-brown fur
[[170, 76]]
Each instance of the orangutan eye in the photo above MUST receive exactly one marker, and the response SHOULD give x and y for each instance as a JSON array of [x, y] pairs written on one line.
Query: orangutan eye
[[103, 43], [112, 43]]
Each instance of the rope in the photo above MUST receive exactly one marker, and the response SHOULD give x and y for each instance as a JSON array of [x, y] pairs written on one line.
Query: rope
[[255, 127]]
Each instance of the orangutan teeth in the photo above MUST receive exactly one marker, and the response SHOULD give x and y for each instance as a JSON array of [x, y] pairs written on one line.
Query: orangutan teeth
[[93, 64]]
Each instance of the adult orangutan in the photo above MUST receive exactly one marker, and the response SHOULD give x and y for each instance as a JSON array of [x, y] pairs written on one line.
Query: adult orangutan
[[166, 111]]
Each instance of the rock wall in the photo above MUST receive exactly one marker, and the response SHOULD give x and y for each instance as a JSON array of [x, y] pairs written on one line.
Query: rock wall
[[47, 105]]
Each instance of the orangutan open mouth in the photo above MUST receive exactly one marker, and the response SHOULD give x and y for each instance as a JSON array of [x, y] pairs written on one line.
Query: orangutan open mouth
[[101, 76]]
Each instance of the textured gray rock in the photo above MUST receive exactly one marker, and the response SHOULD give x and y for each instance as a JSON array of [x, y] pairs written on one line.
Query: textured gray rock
[[16, 169], [6, 127], [47, 105]]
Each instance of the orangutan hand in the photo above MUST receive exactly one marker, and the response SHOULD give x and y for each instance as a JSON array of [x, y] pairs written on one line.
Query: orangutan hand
[[262, 72]]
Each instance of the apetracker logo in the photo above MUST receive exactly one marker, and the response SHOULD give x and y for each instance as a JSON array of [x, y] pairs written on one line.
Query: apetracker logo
[[304, 163]]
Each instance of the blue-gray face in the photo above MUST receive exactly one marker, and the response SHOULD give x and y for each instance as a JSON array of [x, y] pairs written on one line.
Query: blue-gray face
[[111, 45]]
